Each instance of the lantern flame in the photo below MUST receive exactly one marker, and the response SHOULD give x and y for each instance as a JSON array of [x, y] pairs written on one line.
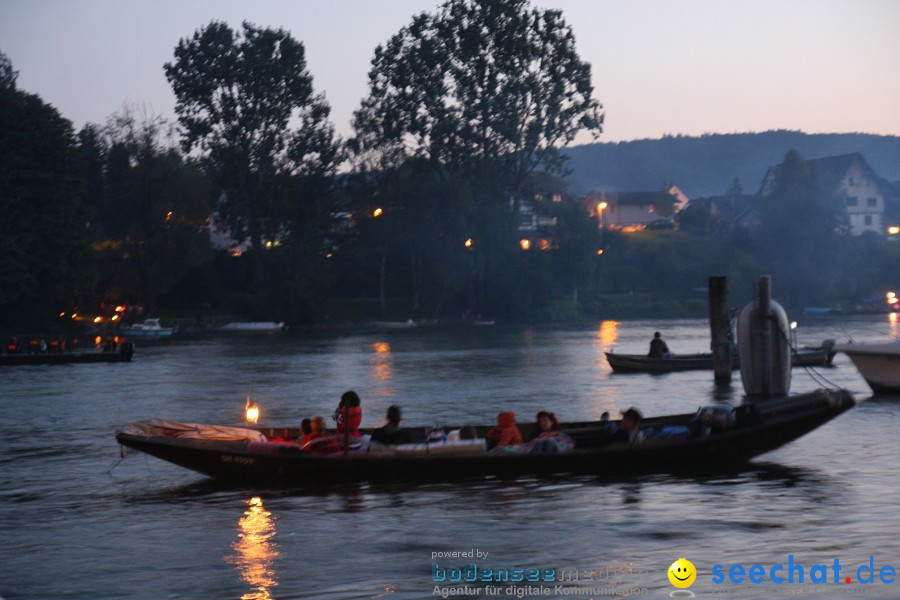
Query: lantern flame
[[252, 411]]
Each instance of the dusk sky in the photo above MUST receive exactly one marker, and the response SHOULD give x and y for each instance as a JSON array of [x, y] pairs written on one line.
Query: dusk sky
[[659, 66]]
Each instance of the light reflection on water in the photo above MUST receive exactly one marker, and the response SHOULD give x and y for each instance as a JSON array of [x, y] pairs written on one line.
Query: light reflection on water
[[255, 551], [145, 529]]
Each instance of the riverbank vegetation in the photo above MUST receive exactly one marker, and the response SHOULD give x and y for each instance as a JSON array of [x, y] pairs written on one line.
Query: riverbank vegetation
[[251, 205]]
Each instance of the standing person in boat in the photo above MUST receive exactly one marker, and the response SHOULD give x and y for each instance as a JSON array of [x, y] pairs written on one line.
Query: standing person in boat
[[550, 437], [506, 433], [349, 408], [391, 433], [658, 347]]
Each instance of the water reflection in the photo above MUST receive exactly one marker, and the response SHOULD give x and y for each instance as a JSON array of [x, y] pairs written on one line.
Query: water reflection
[[255, 552], [608, 334], [381, 362], [894, 318]]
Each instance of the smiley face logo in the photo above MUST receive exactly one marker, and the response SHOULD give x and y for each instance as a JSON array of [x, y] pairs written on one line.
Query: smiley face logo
[[682, 573]]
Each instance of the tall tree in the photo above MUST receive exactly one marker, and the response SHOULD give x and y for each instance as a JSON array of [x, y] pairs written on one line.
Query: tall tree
[[150, 207], [245, 100], [800, 221], [487, 91], [43, 238]]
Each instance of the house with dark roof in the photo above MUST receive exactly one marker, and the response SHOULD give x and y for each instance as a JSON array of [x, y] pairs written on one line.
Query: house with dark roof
[[864, 191], [632, 211]]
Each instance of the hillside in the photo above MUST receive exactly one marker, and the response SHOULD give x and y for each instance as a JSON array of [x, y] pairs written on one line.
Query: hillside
[[707, 165]]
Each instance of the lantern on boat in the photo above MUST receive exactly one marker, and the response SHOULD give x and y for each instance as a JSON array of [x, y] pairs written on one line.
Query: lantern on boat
[[252, 411]]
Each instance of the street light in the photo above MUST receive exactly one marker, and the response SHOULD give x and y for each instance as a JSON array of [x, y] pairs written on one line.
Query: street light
[[600, 207], [377, 212]]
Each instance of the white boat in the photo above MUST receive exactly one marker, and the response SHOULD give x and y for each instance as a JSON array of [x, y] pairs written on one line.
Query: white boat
[[253, 326], [149, 328], [879, 364]]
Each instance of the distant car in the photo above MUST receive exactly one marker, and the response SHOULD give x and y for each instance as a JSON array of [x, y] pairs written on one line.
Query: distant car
[[661, 224]]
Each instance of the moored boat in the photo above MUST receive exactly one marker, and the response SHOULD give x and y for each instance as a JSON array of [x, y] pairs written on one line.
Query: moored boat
[[879, 364], [714, 438], [253, 327], [819, 356], [150, 328], [123, 354]]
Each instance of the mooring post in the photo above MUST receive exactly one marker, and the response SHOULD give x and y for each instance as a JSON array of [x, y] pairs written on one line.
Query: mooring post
[[720, 329], [765, 317]]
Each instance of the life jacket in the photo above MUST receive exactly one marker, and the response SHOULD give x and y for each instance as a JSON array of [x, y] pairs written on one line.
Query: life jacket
[[354, 419], [322, 444], [506, 433]]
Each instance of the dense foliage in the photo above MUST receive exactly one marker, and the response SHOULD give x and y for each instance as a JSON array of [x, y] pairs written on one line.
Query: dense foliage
[[43, 238], [453, 200]]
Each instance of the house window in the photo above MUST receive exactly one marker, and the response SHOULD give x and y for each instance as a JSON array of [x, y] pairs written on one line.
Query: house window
[[868, 220], [557, 197], [852, 201], [872, 202]]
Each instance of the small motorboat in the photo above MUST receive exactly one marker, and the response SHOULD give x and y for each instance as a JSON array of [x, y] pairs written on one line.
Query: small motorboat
[[879, 364], [253, 327], [150, 328], [713, 438]]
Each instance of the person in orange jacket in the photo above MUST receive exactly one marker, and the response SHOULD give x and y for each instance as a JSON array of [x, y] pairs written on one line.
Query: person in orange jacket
[[351, 405], [506, 433]]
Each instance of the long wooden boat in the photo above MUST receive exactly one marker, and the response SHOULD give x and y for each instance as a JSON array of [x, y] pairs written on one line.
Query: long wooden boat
[[720, 438], [123, 354], [820, 356]]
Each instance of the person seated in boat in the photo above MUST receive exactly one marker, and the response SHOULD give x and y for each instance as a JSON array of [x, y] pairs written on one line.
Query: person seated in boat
[[658, 347], [550, 438], [349, 408], [628, 430], [306, 431], [319, 441], [506, 432], [392, 433]]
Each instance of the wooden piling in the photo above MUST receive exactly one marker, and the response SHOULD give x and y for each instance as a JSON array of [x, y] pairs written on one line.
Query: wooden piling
[[720, 329]]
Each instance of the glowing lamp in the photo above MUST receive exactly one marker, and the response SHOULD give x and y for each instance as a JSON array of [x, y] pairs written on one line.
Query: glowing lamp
[[120, 308], [469, 243], [893, 230], [98, 319], [599, 252], [377, 212], [526, 244], [252, 411]]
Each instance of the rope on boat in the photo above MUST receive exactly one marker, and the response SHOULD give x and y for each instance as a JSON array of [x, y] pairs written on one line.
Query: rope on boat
[[815, 375]]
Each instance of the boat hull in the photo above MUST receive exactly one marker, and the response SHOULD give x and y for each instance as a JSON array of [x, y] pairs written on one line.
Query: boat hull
[[641, 363], [124, 354], [148, 333], [762, 427], [879, 365]]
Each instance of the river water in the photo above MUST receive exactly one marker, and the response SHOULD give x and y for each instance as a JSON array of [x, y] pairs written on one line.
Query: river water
[[76, 521]]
